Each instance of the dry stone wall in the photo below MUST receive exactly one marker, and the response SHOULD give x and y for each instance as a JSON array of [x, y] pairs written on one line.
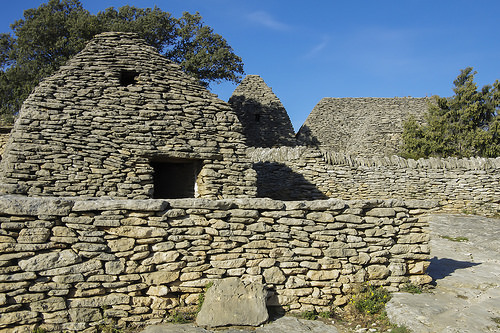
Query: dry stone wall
[[66, 264], [471, 185], [364, 126], [108, 122]]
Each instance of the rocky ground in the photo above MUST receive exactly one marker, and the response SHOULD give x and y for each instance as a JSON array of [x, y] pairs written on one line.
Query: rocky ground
[[465, 266]]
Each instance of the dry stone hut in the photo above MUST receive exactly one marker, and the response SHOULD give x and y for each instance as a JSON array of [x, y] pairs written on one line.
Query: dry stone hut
[[120, 120], [265, 120], [360, 126]]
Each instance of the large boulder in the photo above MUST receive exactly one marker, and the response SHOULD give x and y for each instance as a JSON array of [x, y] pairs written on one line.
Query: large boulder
[[232, 302]]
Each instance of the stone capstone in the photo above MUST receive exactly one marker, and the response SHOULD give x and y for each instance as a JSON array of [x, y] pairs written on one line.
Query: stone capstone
[[231, 302]]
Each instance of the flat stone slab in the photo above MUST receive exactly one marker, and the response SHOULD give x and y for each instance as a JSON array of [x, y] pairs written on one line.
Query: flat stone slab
[[175, 328], [280, 325], [467, 277], [230, 302]]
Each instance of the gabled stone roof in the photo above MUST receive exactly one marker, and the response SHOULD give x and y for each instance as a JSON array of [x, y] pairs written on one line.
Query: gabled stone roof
[[96, 125], [265, 120], [360, 126]]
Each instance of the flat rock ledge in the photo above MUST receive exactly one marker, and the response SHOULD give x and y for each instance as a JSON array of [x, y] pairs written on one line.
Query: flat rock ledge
[[280, 325]]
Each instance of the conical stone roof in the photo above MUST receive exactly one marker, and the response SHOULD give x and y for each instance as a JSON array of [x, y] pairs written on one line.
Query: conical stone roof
[[101, 122], [265, 120]]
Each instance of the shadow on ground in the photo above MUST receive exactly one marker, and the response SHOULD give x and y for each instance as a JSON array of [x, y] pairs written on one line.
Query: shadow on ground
[[443, 267]]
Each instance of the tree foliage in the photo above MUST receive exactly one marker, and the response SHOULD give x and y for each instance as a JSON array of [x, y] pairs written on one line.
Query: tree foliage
[[49, 35], [464, 125]]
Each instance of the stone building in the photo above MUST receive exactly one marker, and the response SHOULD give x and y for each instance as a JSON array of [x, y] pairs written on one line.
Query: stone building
[[265, 120], [360, 126], [120, 120]]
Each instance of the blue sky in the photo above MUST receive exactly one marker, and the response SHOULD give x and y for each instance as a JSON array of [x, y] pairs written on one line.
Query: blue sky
[[307, 50]]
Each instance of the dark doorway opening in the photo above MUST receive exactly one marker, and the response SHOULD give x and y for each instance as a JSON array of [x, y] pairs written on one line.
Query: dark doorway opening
[[175, 179], [128, 77]]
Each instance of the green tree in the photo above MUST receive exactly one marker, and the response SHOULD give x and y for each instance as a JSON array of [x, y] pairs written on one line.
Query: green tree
[[464, 125], [47, 36]]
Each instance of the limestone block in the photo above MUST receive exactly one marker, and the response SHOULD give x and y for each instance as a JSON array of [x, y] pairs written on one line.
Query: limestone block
[[114, 267], [413, 238], [322, 275], [99, 301], [51, 260], [121, 244], [267, 262], [59, 231], [21, 205], [294, 282], [377, 272], [104, 205], [17, 317], [320, 217], [160, 277], [161, 258], [381, 212], [230, 302], [231, 263], [398, 269], [158, 291], [138, 232], [33, 235], [420, 279], [274, 275], [350, 218], [302, 251], [84, 267], [49, 305], [163, 246], [419, 267], [84, 315], [18, 277]]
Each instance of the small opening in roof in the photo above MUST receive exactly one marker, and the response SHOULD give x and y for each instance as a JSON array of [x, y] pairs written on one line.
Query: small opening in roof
[[128, 77]]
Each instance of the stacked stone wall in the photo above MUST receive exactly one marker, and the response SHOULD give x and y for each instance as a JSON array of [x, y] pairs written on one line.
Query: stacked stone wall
[[364, 126], [470, 185], [67, 264]]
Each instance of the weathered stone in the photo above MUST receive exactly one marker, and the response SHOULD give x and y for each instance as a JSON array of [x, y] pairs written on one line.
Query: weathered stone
[[381, 212], [85, 315], [17, 317], [161, 257], [20, 205], [158, 278], [310, 251], [323, 275], [84, 267], [102, 205], [121, 244], [49, 305], [230, 302], [33, 235], [114, 267], [377, 272], [158, 291], [47, 261], [231, 263], [138, 232], [99, 301], [274, 275]]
